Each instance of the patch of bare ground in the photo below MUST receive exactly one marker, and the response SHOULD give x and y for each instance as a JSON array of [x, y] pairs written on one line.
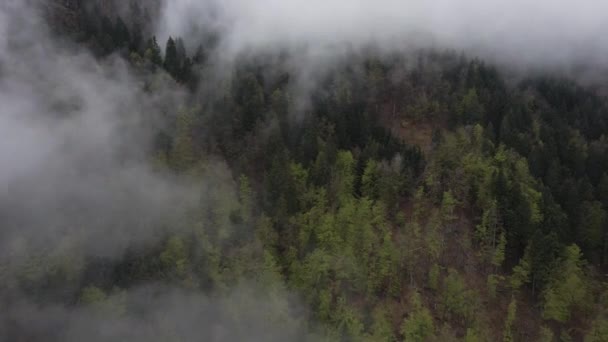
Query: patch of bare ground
[[410, 130]]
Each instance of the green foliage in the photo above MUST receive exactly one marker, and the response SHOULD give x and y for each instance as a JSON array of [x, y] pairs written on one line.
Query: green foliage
[[599, 330], [493, 281], [171, 63], [445, 334], [487, 231], [381, 329], [370, 179], [418, 326], [434, 273], [325, 305], [174, 259], [434, 240], [472, 336], [60, 266], [458, 302], [121, 33], [568, 287], [92, 295], [518, 173], [564, 336], [348, 320], [499, 254], [152, 52], [343, 178], [511, 313], [183, 154], [470, 109], [521, 272], [591, 226], [545, 335], [95, 299], [448, 205], [249, 97]]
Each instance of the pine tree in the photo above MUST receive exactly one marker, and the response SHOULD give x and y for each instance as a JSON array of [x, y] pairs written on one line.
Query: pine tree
[[249, 96], [591, 229], [171, 63], [343, 178], [122, 36], [153, 52], [180, 48], [105, 36], [470, 110], [136, 42], [370, 179], [499, 253], [186, 74], [199, 56]]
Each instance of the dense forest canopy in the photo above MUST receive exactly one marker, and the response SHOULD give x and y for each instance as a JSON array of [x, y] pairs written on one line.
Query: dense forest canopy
[[169, 186]]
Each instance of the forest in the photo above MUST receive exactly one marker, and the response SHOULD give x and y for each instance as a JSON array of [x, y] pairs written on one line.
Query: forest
[[426, 195]]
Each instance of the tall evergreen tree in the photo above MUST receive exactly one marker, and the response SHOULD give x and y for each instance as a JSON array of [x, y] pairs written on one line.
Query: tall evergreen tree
[[121, 34], [171, 64], [153, 52], [199, 56], [181, 52]]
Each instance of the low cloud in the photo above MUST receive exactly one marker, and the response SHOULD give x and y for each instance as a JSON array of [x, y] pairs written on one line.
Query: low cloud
[[76, 143], [537, 34], [157, 313]]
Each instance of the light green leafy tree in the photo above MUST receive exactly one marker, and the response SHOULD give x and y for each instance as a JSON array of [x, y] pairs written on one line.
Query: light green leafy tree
[[343, 179], [174, 259], [567, 288], [418, 326], [545, 334], [458, 301], [370, 179], [599, 330], [511, 313], [434, 273], [381, 328], [183, 154], [99, 302], [521, 272], [499, 254], [493, 281]]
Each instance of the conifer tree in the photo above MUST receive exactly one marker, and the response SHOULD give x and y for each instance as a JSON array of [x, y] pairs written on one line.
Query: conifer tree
[[153, 52], [171, 63]]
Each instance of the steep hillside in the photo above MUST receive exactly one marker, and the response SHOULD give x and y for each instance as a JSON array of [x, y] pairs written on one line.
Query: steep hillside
[[183, 195]]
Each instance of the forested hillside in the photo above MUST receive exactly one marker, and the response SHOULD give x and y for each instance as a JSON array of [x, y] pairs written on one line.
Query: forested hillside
[[407, 196]]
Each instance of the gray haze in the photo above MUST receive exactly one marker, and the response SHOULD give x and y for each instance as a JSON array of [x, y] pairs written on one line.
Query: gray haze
[[76, 132], [539, 33], [75, 139], [157, 313], [76, 182]]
